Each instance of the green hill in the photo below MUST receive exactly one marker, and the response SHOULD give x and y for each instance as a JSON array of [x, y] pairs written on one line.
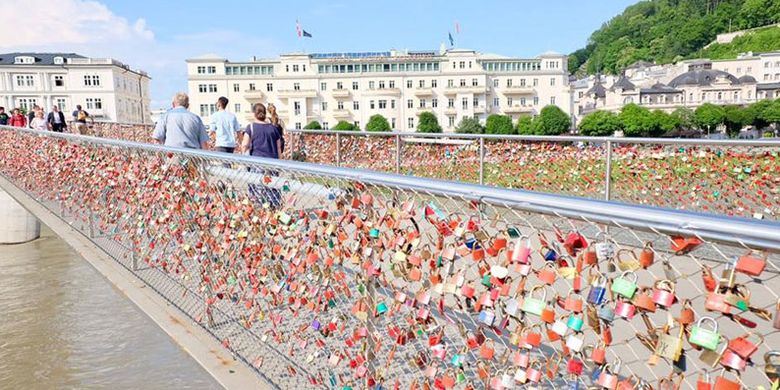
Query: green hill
[[761, 40], [665, 31]]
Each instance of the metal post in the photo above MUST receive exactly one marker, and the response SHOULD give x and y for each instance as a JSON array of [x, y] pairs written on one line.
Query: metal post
[[398, 153], [338, 150], [91, 222], [608, 173], [133, 255], [481, 161]]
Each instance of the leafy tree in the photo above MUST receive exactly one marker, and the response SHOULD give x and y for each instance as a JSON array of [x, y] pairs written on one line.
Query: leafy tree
[[345, 126], [469, 125], [552, 121], [377, 123], [428, 123], [499, 124], [684, 117], [525, 125], [313, 125], [636, 121], [771, 113], [709, 116], [599, 123], [663, 123], [735, 117], [756, 111]]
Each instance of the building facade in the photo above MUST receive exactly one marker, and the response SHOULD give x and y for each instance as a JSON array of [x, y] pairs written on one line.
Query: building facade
[[399, 85], [108, 89]]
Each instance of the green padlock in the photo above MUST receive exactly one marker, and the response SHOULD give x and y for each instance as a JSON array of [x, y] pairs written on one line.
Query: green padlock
[[624, 286], [705, 338], [461, 377], [533, 305], [381, 308], [575, 323], [284, 218], [486, 281]]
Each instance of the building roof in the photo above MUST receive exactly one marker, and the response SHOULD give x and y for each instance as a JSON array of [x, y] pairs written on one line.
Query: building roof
[[640, 64], [659, 88], [40, 58], [767, 86], [702, 77], [747, 79], [623, 83], [598, 89]]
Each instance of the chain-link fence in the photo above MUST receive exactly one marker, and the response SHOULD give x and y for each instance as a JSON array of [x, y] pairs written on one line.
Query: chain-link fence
[[327, 277], [735, 178]]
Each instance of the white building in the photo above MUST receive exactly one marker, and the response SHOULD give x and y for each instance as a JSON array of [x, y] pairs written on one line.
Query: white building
[[399, 85], [108, 89]]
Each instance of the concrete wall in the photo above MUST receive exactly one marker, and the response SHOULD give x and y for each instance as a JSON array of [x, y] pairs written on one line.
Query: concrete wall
[[17, 225]]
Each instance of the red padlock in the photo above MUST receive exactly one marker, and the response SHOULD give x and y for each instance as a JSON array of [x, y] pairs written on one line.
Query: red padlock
[[547, 274], [573, 302], [607, 379], [743, 347], [717, 302], [663, 293], [625, 309], [732, 360], [521, 359], [647, 256], [574, 242], [574, 366], [599, 353], [751, 265]]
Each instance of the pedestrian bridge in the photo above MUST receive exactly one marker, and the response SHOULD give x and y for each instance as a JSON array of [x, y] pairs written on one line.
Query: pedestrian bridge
[[280, 274]]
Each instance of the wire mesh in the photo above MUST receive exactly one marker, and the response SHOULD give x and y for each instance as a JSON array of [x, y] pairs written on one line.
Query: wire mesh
[[326, 278]]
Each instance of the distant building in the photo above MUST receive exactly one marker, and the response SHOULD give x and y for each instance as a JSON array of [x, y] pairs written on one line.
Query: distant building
[[108, 89], [399, 85]]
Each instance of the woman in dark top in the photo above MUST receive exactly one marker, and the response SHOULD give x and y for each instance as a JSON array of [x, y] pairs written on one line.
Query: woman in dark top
[[261, 138]]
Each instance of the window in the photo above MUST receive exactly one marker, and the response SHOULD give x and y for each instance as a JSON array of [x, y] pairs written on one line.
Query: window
[[324, 106], [371, 85], [434, 84], [355, 85], [463, 64], [451, 121], [522, 101], [94, 103], [422, 103], [296, 86], [340, 105], [297, 108], [26, 103], [495, 83], [410, 123], [465, 103], [462, 82], [450, 83], [357, 124], [323, 86], [749, 69], [475, 102], [536, 100], [410, 103], [213, 87], [207, 109], [509, 102], [382, 84], [495, 102], [391, 83], [508, 83], [392, 104], [355, 105], [392, 123], [720, 95], [422, 84], [371, 105], [408, 83], [325, 125], [297, 125], [269, 87], [237, 107], [235, 87], [59, 81], [450, 103], [60, 103], [536, 82], [474, 82], [522, 82], [339, 85], [382, 104], [24, 81], [552, 81], [434, 103], [552, 99], [91, 81], [211, 69], [201, 70], [287, 68], [202, 88], [304, 67], [295, 68]]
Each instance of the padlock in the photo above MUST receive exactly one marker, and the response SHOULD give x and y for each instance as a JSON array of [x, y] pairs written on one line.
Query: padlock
[[643, 300], [705, 338], [687, 315], [728, 277], [668, 346], [647, 256], [663, 293], [521, 375], [573, 302], [521, 358], [589, 256], [486, 317], [604, 250], [627, 260], [574, 243], [625, 309], [606, 313], [723, 383], [598, 291], [547, 274], [732, 360], [751, 265], [704, 382], [717, 302], [625, 285], [598, 353], [520, 253], [776, 322], [533, 305], [575, 323], [559, 327], [575, 341], [742, 345], [772, 365], [534, 372], [575, 366], [607, 378], [739, 297], [488, 350]]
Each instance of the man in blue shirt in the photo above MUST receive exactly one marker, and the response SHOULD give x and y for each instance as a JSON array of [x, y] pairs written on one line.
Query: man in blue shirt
[[225, 126], [180, 128]]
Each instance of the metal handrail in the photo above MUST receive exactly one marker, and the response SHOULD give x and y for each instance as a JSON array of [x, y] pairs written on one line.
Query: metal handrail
[[550, 138], [730, 230]]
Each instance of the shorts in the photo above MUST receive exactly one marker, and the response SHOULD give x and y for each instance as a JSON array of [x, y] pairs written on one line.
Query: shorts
[[81, 128]]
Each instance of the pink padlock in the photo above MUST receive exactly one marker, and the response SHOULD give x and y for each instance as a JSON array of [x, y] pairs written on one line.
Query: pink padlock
[[607, 378], [521, 359], [663, 293], [521, 253], [534, 373], [625, 309]]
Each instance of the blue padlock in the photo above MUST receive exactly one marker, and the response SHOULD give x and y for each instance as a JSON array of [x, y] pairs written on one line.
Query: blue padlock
[[598, 291], [550, 255]]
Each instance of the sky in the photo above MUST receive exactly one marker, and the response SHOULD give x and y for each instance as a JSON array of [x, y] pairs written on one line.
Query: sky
[[157, 36]]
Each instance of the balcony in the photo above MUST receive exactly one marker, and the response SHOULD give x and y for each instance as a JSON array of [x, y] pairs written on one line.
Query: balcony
[[518, 90], [517, 109], [480, 109], [340, 93], [454, 90], [342, 114], [423, 92], [450, 111], [383, 92], [301, 93], [253, 94]]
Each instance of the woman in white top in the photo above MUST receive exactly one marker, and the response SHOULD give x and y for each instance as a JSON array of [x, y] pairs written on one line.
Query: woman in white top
[[38, 123]]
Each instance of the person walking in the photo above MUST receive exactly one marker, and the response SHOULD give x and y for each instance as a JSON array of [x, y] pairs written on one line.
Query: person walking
[[3, 117], [38, 123], [179, 127], [279, 125], [80, 120], [31, 115], [56, 119], [261, 139], [17, 119], [225, 126]]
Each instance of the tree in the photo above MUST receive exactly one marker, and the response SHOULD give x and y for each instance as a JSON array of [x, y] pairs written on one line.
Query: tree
[[636, 121], [428, 123], [499, 124], [469, 125], [345, 126], [709, 116], [663, 123], [684, 117], [756, 112], [552, 121], [735, 117], [313, 125], [377, 123], [525, 125], [771, 113], [599, 123]]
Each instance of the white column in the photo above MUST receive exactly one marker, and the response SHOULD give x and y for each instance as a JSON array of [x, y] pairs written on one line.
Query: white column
[[18, 224]]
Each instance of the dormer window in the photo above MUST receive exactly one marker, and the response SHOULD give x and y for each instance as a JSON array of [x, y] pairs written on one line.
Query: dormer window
[[59, 60], [24, 60]]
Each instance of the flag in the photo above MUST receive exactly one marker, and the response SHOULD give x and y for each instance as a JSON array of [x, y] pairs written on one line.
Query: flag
[[452, 41], [298, 28], [457, 27], [306, 34]]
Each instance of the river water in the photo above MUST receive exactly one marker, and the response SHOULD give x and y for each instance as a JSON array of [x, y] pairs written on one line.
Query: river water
[[63, 326]]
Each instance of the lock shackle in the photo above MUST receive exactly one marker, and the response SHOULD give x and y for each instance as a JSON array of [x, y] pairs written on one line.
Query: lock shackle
[[747, 335], [708, 319], [769, 355], [538, 287], [668, 284], [627, 273]]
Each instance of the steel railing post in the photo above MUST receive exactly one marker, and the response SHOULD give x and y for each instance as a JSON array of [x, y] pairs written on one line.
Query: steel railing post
[[608, 173], [338, 150], [481, 161], [397, 153]]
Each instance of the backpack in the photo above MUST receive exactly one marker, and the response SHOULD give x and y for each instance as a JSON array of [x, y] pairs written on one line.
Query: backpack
[[82, 116]]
